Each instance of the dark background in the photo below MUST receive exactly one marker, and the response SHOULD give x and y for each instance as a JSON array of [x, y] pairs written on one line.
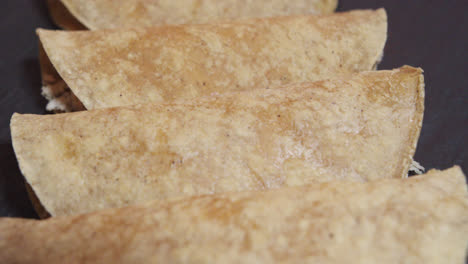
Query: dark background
[[429, 34]]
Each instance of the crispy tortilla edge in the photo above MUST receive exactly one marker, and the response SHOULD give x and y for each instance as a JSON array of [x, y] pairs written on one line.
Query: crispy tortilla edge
[[58, 101], [37, 205], [15, 127], [418, 117]]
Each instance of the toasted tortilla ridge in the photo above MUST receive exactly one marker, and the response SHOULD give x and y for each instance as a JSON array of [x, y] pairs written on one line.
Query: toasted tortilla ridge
[[109, 68], [423, 219], [104, 14], [249, 140]]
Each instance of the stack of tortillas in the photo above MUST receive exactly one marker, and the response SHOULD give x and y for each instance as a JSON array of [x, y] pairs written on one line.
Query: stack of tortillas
[[228, 131]]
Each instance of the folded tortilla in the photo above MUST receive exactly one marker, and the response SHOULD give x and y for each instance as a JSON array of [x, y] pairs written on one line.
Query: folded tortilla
[[422, 219], [359, 129], [102, 14], [110, 68]]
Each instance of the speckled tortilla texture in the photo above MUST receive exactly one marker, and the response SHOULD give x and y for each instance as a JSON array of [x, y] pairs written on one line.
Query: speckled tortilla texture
[[101, 14], [422, 220], [150, 65], [359, 129]]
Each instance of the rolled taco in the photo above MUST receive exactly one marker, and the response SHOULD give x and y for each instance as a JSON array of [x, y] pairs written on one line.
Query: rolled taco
[[423, 219], [102, 14], [108, 68], [357, 129]]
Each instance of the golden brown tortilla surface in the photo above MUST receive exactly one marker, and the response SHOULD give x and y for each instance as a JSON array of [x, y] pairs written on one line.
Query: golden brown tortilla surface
[[101, 14], [423, 219], [359, 129], [110, 68]]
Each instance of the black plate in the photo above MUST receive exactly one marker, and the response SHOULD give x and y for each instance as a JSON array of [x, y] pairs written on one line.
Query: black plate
[[424, 33]]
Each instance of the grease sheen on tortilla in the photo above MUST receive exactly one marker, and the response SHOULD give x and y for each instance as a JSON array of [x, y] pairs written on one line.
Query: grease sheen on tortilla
[[108, 68], [423, 219], [358, 129]]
